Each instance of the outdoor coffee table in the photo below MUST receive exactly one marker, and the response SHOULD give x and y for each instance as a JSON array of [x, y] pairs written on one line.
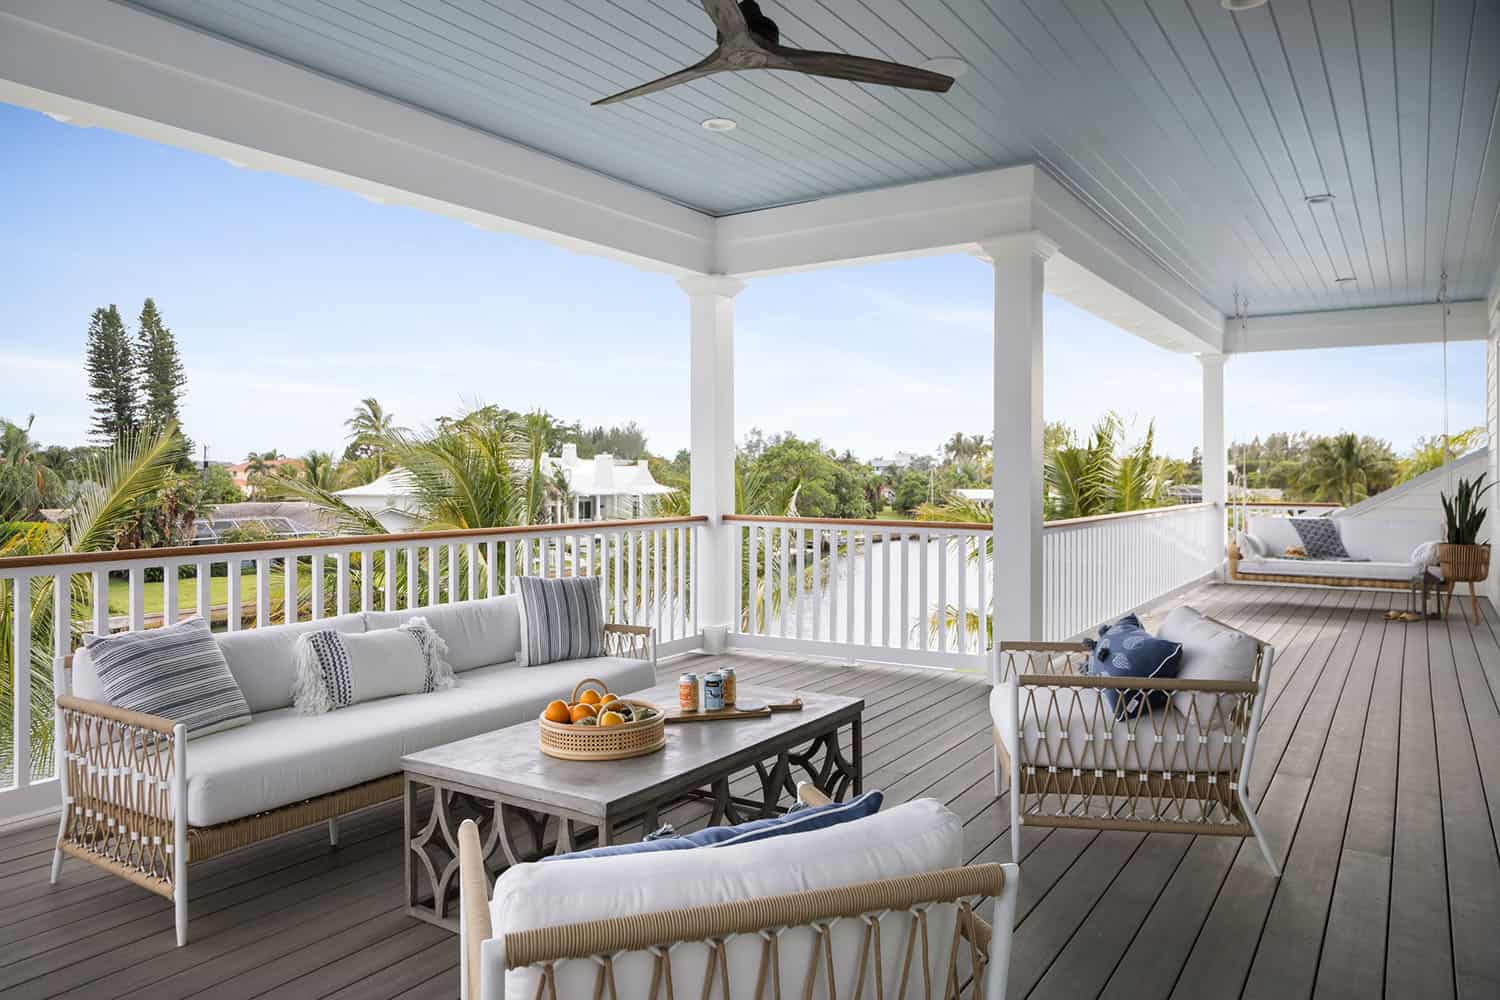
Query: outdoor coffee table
[[528, 804]]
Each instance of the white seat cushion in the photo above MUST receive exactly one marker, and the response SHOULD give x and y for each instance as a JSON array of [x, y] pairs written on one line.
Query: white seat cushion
[[1330, 567], [1378, 540], [264, 660], [1062, 731], [907, 839], [284, 757], [478, 633]]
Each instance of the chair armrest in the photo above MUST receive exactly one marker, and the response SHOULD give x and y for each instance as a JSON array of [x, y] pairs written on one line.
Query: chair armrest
[[124, 785], [123, 716], [474, 926], [638, 641], [810, 794], [1027, 657]]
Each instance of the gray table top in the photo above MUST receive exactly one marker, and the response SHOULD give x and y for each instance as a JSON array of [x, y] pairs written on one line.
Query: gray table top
[[509, 763]]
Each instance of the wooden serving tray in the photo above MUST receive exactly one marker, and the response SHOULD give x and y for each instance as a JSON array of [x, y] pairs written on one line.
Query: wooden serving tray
[[758, 710]]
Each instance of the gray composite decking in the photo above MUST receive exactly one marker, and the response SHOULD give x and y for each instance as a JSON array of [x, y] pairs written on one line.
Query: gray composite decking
[[1378, 769]]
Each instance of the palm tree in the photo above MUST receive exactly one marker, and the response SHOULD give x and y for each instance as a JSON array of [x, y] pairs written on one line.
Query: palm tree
[[1343, 467], [134, 469], [371, 429], [25, 480], [321, 469]]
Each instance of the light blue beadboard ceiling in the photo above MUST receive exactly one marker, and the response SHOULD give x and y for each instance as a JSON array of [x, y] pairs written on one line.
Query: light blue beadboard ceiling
[[1197, 132]]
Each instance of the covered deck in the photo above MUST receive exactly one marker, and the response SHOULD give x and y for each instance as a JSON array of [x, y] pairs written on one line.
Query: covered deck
[[1380, 763]]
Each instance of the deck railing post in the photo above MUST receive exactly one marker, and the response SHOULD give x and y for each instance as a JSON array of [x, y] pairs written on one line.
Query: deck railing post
[[711, 314], [1019, 261]]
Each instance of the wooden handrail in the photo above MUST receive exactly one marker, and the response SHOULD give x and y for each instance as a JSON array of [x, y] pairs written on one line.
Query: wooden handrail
[[951, 525], [855, 522], [194, 552], [1073, 522]]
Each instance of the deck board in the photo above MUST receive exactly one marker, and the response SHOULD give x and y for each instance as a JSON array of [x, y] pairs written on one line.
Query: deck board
[[1378, 767]]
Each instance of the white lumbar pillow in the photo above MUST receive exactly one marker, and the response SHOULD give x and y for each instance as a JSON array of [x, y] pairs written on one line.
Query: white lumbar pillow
[[1210, 652], [1249, 545], [336, 670]]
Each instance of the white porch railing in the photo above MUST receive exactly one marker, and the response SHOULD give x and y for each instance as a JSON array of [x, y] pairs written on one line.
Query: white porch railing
[[895, 591], [920, 592], [1097, 568], [648, 569]]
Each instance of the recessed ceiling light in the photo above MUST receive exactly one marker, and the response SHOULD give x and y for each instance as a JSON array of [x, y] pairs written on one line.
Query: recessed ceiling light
[[946, 66], [1346, 280], [58, 116], [1318, 199], [720, 124], [1235, 6], [237, 164]]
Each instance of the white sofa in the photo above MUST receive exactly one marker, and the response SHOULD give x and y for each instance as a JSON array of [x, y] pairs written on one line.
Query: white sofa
[[1386, 547], [286, 770], [776, 917]]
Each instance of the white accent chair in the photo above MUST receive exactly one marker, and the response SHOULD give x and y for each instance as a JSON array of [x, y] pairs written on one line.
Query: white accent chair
[[879, 905], [1182, 767]]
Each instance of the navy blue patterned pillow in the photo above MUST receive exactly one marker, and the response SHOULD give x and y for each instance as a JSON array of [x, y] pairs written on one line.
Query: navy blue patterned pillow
[[1126, 649], [1320, 537]]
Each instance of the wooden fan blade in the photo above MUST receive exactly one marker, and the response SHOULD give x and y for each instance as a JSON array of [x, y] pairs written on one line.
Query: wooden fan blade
[[727, 17], [859, 69], [713, 64]]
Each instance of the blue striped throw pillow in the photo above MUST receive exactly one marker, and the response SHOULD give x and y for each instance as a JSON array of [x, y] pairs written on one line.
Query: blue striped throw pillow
[[177, 672], [561, 619]]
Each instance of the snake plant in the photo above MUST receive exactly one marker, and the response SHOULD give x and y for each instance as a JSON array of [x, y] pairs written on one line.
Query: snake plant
[[1465, 511]]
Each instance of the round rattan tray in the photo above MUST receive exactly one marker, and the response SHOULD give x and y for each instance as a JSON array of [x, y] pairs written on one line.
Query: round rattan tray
[[631, 739]]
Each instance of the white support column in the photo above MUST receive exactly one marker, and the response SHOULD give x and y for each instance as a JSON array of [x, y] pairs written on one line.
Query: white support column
[[1019, 262], [711, 310], [1215, 451]]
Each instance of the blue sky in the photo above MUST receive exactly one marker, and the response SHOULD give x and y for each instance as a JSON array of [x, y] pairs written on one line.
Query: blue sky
[[291, 301]]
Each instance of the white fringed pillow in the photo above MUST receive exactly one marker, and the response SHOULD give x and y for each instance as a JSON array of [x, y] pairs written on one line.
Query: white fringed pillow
[[336, 670]]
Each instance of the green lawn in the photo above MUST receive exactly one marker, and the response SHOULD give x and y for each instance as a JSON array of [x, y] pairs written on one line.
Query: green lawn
[[187, 593]]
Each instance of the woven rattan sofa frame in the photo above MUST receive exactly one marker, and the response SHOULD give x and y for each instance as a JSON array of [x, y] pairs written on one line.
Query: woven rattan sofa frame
[[124, 794], [604, 940], [1131, 783]]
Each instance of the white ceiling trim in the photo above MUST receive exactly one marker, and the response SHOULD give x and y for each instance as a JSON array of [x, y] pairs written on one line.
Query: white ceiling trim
[[1376, 327]]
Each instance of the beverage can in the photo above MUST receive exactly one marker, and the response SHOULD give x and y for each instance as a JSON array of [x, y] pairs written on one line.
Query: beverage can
[[713, 692], [687, 692], [729, 684]]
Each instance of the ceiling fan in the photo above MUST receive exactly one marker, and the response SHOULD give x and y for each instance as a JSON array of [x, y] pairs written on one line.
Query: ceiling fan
[[749, 40]]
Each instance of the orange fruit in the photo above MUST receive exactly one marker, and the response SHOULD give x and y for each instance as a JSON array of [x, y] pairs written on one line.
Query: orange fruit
[[582, 711], [589, 697], [558, 711], [611, 719]]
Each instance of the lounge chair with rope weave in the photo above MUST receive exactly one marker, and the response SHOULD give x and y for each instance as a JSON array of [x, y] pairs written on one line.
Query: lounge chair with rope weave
[[888, 912], [1180, 767]]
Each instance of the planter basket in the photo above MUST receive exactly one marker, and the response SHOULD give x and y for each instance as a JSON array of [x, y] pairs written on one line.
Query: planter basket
[[630, 739], [1464, 563]]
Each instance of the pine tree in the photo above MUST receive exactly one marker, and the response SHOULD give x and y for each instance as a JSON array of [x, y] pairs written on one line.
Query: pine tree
[[112, 377], [161, 375]]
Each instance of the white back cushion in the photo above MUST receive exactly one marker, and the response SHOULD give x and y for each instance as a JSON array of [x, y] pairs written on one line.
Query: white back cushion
[[478, 633], [1364, 537], [1210, 652], [264, 660], [1386, 541], [906, 839]]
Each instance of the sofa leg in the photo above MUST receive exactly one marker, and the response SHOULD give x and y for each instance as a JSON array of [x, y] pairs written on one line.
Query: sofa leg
[[333, 831], [1260, 835], [179, 904], [57, 852]]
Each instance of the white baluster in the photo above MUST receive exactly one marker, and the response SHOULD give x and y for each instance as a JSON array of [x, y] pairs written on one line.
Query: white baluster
[[316, 568], [289, 592], [234, 610]]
